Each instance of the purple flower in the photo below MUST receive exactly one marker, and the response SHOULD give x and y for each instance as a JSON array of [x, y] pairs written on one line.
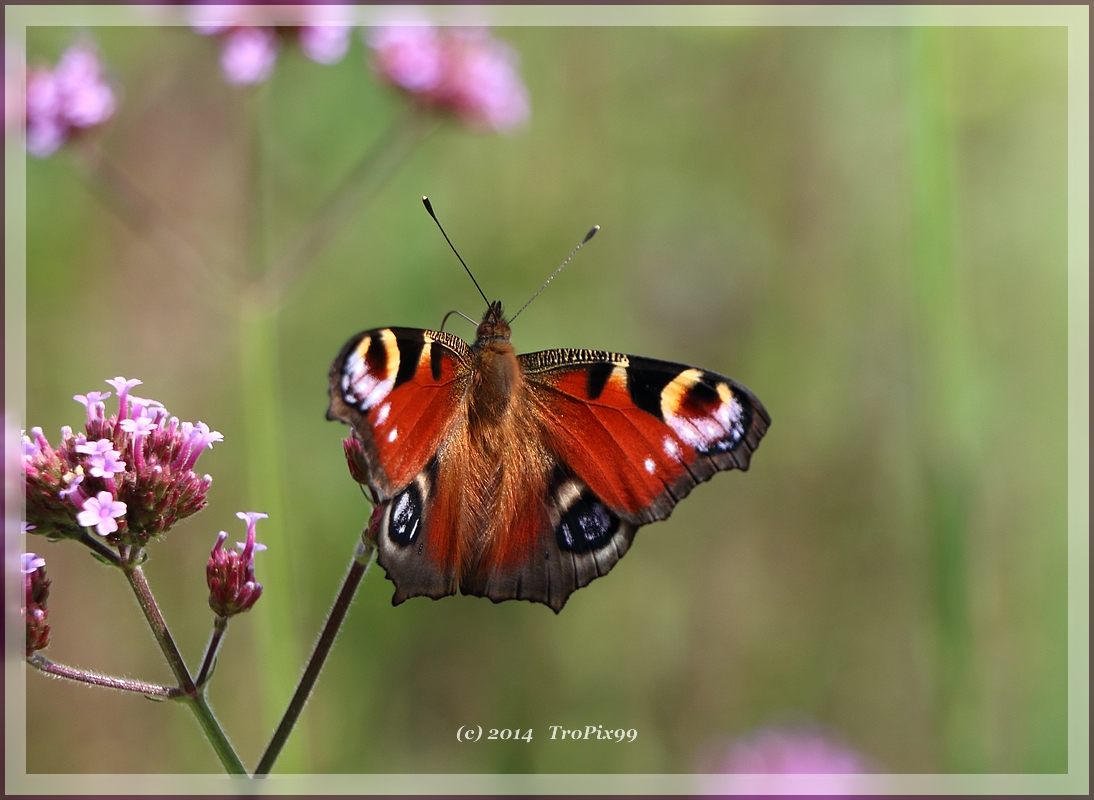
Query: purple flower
[[88, 100], [143, 463], [325, 44], [408, 56], [106, 465], [197, 438], [122, 387], [100, 512], [460, 71], [93, 402], [248, 55], [797, 759], [29, 447], [63, 101], [138, 426], [74, 480], [36, 593], [31, 562], [230, 573], [104, 458], [250, 39]]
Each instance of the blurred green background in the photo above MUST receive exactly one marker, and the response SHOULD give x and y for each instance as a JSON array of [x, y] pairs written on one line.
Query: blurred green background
[[866, 226]]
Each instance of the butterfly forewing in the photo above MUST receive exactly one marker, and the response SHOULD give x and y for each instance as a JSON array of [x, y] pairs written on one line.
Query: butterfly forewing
[[401, 390]]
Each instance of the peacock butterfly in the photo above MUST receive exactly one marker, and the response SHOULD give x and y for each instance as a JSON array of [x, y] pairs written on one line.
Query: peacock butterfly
[[525, 477]]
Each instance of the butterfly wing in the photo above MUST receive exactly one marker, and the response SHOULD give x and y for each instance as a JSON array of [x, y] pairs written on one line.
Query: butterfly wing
[[630, 437], [401, 390], [599, 444], [642, 433]]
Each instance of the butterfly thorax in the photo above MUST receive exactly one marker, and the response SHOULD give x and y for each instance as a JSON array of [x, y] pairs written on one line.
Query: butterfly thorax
[[495, 375]]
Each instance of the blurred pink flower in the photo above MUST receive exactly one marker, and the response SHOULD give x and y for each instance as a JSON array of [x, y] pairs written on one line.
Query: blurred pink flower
[[251, 38], [248, 55], [324, 44], [462, 71], [71, 97], [797, 759]]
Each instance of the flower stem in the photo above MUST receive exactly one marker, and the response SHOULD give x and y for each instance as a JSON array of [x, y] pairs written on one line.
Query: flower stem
[[139, 584], [99, 549], [220, 625], [40, 662], [190, 693], [364, 179], [362, 558]]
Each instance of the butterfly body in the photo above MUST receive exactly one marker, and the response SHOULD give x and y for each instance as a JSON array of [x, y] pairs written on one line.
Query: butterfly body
[[526, 477]]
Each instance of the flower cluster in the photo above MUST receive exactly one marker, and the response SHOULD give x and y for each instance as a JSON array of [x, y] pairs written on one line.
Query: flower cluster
[[70, 98], [129, 477], [249, 46], [461, 71], [36, 594], [231, 573]]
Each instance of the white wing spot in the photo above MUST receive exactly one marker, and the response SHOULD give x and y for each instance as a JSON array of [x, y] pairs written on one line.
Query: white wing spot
[[650, 466], [672, 449], [391, 437], [382, 413]]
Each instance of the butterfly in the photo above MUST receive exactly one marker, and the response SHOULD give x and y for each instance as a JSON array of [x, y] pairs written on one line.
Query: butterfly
[[526, 476]]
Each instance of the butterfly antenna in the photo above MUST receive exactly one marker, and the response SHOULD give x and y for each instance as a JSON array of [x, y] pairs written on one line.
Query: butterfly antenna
[[429, 208], [573, 252], [459, 313]]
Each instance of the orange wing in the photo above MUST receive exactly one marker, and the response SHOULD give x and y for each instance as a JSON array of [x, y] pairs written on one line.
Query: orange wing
[[402, 391]]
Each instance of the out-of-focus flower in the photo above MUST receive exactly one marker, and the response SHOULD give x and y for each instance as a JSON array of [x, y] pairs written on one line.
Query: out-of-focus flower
[[70, 98], [35, 596], [250, 41], [788, 759], [130, 477], [248, 55], [230, 574], [461, 71]]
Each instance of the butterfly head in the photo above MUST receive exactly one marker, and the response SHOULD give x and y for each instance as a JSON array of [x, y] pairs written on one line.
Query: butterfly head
[[493, 327]]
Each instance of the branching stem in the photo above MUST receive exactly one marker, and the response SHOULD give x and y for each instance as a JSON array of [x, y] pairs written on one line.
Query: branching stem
[[40, 662]]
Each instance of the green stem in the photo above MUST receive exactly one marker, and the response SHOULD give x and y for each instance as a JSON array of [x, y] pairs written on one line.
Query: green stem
[[139, 584], [362, 559], [220, 625], [260, 383], [191, 695], [98, 548], [945, 369], [40, 662], [275, 623]]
